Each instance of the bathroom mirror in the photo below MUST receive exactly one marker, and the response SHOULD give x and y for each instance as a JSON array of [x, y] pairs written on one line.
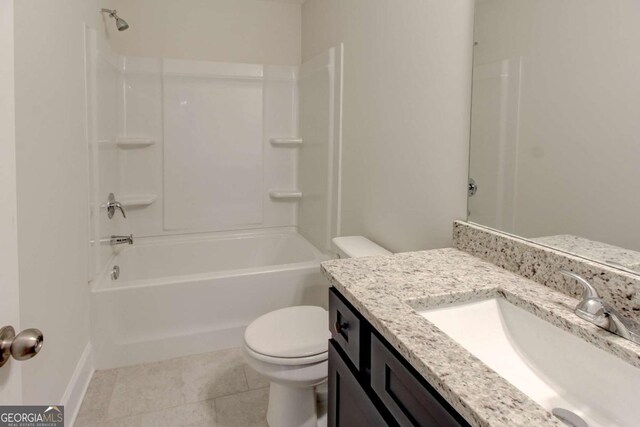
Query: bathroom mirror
[[555, 134]]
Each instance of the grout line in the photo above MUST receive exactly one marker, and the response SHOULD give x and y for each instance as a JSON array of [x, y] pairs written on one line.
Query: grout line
[[215, 412], [113, 390], [244, 374], [242, 392]]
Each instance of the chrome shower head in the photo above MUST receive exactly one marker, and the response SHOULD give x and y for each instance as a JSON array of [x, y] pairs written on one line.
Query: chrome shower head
[[121, 24]]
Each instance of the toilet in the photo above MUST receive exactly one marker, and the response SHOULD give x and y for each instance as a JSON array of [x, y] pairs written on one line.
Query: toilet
[[290, 348]]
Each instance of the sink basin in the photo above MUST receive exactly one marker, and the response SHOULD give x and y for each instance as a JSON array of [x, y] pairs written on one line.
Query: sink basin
[[554, 368]]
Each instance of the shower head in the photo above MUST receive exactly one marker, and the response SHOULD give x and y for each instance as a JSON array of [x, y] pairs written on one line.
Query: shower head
[[121, 24]]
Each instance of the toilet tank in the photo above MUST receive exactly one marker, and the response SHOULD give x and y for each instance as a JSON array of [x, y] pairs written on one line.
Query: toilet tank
[[357, 246]]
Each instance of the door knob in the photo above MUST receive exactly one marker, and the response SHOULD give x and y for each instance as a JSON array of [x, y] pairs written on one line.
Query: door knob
[[23, 346]]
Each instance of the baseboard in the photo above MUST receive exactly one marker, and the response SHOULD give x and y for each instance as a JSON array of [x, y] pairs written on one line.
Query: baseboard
[[77, 387]]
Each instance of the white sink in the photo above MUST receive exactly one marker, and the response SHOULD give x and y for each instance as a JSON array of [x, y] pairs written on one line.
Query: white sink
[[551, 366]]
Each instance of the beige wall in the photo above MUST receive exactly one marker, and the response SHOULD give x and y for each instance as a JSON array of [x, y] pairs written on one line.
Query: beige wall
[[249, 31], [407, 84], [51, 153], [10, 375]]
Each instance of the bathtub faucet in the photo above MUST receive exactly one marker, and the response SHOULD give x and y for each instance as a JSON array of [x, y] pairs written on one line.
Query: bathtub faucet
[[121, 240]]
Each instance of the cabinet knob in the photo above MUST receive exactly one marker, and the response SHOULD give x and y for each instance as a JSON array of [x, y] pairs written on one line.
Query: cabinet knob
[[340, 327]]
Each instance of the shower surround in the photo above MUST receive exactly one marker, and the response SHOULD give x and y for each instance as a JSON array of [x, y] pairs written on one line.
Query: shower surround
[[231, 205]]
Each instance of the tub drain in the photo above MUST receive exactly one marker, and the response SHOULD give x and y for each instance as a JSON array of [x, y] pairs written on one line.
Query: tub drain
[[115, 272], [569, 418]]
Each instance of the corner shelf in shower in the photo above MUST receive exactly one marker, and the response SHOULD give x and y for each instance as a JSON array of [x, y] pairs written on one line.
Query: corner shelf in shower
[[285, 195], [130, 143], [286, 142], [139, 201]]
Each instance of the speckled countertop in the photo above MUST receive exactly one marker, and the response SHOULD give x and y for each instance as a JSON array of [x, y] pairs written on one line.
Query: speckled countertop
[[387, 290], [608, 254]]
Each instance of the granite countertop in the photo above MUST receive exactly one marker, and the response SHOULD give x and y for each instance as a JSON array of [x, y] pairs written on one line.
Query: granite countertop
[[609, 254], [387, 290]]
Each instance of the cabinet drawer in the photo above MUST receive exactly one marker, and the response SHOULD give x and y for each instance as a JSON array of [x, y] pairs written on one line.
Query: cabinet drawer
[[345, 327], [349, 405], [410, 402]]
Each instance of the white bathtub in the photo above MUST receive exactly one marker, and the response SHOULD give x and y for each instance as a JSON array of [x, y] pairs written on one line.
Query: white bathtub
[[178, 296]]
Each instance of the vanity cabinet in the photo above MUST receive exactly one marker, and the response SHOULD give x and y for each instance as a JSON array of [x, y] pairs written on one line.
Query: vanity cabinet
[[371, 384], [345, 328], [349, 406]]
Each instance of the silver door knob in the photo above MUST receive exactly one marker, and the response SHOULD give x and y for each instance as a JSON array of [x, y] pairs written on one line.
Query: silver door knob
[[23, 346]]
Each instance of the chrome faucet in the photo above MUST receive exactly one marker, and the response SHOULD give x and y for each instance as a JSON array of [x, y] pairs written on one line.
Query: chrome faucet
[[121, 240], [593, 309]]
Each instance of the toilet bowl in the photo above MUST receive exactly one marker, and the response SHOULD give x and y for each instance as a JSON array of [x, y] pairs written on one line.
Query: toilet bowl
[[289, 347]]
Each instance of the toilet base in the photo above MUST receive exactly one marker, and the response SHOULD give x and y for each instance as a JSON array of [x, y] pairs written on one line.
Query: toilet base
[[292, 407]]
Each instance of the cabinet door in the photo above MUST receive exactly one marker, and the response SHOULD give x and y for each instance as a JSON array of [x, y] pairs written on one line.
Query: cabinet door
[[345, 327], [411, 403], [349, 405]]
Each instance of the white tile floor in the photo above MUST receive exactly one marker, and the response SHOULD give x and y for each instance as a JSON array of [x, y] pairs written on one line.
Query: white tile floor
[[212, 389]]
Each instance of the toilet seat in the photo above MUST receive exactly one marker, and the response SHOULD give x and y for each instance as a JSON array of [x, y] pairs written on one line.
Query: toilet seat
[[289, 336], [288, 361]]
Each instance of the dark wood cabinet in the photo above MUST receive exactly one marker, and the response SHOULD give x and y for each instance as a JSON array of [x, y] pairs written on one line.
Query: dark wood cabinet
[[349, 405], [371, 384], [345, 328], [411, 402]]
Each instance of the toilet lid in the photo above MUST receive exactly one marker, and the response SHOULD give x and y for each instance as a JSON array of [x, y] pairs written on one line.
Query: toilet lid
[[290, 332]]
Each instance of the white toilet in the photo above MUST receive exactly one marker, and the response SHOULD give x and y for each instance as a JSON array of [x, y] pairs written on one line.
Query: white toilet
[[290, 348]]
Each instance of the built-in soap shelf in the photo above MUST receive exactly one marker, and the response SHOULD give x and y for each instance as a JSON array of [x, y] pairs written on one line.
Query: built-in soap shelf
[[138, 201], [130, 142], [286, 142], [290, 195]]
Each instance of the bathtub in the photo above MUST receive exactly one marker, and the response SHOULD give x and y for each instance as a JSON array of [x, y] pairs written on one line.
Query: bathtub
[[177, 296]]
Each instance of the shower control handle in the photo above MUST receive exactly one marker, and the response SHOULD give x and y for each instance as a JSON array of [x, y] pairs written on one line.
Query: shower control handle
[[23, 346], [112, 204]]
